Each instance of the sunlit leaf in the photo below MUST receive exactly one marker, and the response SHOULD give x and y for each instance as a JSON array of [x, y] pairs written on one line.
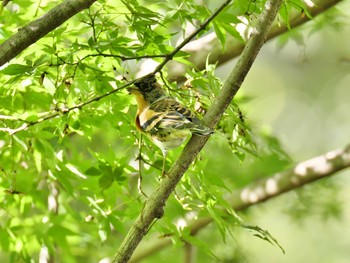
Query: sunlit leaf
[[16, 69]]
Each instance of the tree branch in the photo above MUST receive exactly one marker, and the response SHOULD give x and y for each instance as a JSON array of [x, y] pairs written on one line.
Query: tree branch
[[301, 174], [262, 190], [35, 30], [153, 208], [199, 49]]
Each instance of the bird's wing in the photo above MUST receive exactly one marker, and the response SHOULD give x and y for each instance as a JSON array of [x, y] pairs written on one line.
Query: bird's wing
[[169, 115]]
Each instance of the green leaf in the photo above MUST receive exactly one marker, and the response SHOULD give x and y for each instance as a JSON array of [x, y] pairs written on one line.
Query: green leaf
[[200, 244], [16, 69], [91, 42], [49, 49], [105, 181], [21, 142], [228, 18], [220, 33], [75, 170], [93, 171], [219, 221], [37, 160], [284, 13], [105, 169], [264, 235], [117, 224], [233, 32], [118, 174], [217, 180]]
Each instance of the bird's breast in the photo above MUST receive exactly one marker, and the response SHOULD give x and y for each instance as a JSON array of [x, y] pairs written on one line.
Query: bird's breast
[[148, 120], [170, 140]]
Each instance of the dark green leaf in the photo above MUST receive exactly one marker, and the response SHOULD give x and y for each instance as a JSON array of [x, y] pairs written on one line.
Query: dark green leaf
[[105, 181], [93, 171]]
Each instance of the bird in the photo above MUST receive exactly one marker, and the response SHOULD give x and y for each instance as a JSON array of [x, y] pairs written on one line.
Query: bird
[[164, 120]]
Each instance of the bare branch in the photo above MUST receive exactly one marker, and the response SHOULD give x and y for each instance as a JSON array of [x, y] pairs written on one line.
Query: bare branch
[[35, 30], [257, 192], [189, 253], [153, 208]]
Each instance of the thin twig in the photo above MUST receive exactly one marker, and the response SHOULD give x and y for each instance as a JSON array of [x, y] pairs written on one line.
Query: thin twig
[[140, 159], [11, 118], [100, 54], [124, 58]]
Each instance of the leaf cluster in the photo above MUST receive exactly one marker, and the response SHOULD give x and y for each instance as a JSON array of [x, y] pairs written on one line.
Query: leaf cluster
[[69, 182]]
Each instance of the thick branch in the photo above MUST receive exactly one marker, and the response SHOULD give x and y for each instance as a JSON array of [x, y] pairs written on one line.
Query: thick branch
[[199, 49], [303, 173], [35, 30], [153, 208]]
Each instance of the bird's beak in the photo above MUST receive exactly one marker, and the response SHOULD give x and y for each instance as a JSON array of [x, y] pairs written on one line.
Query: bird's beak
[[132, 89]]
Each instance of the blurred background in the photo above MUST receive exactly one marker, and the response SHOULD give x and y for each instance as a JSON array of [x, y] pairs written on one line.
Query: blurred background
[[300, 93]]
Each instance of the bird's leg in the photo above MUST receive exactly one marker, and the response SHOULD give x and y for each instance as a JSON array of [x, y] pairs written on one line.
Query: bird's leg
[[164, 161], [139, 158]]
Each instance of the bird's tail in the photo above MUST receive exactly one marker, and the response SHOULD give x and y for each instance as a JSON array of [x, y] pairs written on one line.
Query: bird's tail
[[201, 130]]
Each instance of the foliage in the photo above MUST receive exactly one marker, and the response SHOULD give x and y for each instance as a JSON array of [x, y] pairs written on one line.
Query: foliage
[[68, 179]]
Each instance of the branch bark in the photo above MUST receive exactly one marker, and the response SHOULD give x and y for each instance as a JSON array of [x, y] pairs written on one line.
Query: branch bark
[[199, 49], [35, 30], [153, 208], [306, 172]]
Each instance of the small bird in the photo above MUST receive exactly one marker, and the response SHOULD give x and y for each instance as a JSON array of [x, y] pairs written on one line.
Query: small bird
[[165, 121]]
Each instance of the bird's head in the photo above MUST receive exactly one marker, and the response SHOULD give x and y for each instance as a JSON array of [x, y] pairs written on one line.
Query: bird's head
[[148, 88]]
